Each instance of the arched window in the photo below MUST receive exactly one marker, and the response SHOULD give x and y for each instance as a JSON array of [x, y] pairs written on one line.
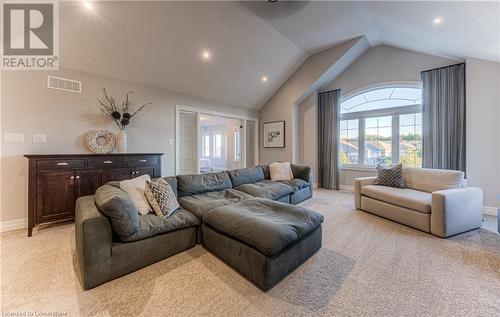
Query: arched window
[[381, 125]]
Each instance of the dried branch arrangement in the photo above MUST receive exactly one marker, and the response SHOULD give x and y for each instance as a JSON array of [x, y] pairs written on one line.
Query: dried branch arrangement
[[119, 113]]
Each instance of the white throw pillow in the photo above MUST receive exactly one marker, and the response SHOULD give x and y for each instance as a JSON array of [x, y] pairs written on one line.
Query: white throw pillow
[[135, 189], [280, 171]]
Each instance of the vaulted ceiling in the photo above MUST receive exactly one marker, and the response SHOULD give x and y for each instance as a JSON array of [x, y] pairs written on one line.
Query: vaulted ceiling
[[160, 43]]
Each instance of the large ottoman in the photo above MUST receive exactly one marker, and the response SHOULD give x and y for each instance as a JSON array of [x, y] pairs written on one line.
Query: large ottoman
[[263, 240]]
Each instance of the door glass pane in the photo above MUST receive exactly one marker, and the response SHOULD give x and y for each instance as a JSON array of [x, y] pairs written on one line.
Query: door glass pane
[[237, 144], [378, 140]]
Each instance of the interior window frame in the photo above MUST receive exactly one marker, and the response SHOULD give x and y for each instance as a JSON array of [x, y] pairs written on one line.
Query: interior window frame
[[361, 116]]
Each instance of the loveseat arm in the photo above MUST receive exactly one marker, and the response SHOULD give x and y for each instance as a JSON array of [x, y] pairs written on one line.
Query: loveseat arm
[[93, 238], [303, 172], [358, 184], [455, 211]]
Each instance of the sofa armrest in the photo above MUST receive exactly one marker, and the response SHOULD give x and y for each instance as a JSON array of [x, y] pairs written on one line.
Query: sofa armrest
[[358, 184], [303, 172], [454, 211], [93, 238]]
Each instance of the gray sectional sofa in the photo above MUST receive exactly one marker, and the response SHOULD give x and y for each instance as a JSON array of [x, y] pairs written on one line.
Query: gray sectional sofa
[[241, 216]]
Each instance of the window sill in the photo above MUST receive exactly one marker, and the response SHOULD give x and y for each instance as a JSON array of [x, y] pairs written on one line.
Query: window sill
[[363, 168]]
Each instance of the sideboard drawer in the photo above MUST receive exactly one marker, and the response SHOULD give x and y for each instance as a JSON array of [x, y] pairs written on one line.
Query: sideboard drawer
[[107, 162], [143, 161], [60, 164]]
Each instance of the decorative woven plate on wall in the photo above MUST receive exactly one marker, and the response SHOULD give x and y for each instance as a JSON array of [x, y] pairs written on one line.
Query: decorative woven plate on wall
[[100, 141]]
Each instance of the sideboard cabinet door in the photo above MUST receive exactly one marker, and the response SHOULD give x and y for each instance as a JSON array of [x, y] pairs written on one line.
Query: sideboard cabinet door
[[55, 195], [88, 181]]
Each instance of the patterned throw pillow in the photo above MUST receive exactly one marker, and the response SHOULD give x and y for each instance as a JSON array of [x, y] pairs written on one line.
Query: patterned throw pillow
[[161, 197], [391, 176]]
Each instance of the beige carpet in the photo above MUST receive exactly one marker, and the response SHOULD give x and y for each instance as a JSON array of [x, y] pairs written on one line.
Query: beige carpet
[[368, 266]]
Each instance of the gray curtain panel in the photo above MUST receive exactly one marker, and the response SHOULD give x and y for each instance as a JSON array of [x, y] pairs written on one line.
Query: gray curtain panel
[[443, 116], [328, 139]]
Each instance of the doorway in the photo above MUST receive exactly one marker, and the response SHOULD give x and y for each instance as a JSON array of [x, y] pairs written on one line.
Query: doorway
[[209, 142]]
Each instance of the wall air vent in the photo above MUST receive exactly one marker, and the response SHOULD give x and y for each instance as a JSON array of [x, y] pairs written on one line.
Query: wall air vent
[[64, 84]]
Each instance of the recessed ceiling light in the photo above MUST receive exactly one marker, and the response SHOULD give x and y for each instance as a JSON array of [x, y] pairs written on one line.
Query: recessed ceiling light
[[88, 5], [437, 21], [205, 54], [264, 79]]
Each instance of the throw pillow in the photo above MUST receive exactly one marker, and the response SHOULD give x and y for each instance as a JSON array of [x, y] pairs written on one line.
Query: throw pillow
[[280, 171], [391, 176], [161, 197], [135, 189]]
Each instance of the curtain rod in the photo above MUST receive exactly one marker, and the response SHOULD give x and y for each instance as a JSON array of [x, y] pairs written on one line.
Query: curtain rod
[[429, 70]]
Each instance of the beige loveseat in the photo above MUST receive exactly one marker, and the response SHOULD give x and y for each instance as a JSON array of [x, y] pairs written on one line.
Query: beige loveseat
[[434, 201]]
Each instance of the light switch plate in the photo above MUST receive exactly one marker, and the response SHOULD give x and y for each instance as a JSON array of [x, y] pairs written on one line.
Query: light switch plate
[[39, 138], [14, 137], [170, 142]]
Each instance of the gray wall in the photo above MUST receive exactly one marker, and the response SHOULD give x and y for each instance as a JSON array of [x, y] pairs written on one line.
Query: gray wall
[[310, 76], [29, 107], [483, 133], [381, 64]]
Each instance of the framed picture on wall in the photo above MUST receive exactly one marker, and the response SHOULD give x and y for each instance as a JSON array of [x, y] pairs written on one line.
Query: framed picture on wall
[[274, 134]]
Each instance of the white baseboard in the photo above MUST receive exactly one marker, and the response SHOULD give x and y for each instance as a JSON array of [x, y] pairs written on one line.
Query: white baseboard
[[490, 211], [13, 225], [18, 224]]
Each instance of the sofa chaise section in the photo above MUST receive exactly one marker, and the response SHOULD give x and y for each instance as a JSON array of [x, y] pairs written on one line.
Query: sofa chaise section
[[264, 240]]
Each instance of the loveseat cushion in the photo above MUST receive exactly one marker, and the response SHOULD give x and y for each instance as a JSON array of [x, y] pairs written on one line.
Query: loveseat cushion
[[266, 189], [246, 175], [200, 183], [151, 225], [297, 184], [403, 197], [200, 204], [431, 180], [265, 225]]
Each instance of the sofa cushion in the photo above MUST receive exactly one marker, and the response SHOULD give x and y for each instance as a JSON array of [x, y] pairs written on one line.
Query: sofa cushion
[[135, 189], [161, 197], [266, 189], [119, 208], [262, 224], [201, 183], [297, 184], [151, 225], [246, 175], [431, 180], [403, 197], [200, 204], [265, 170], [391, 176], [280, 171]]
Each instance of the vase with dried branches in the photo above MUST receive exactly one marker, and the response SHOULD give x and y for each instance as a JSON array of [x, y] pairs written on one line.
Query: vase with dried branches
[[120, 114]]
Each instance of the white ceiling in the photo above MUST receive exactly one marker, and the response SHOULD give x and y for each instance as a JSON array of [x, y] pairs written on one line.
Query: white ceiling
[[158, 43]]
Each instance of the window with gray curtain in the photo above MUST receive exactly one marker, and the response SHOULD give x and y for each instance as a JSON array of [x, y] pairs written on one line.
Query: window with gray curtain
[[328, 139], [443, 117]]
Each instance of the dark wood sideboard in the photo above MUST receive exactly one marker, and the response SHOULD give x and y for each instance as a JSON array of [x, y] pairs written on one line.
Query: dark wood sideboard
[[56, 181]]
